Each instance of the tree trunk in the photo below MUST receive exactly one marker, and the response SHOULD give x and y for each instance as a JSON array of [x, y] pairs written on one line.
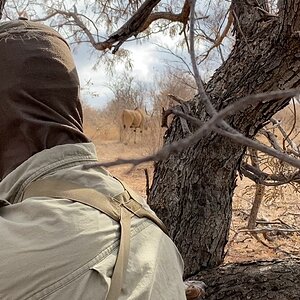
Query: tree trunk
[[192, 191], [276, 280]]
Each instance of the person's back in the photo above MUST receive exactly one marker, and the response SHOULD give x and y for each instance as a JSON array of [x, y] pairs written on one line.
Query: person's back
[[51, 246]]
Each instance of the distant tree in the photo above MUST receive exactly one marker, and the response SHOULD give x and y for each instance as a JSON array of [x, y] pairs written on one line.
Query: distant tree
[[172, 82], [127, 94]]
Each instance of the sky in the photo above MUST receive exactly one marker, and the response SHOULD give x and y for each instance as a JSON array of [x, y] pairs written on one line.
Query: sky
[[147, 62]]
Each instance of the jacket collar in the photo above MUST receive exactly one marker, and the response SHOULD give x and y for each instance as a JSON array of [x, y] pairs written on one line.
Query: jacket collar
[[41, 164]]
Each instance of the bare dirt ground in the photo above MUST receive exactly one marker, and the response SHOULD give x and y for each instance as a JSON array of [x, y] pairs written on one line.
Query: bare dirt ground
[[283, 208]]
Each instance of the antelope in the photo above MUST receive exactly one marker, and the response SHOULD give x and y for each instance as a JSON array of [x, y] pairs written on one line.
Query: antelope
[[134, 119]]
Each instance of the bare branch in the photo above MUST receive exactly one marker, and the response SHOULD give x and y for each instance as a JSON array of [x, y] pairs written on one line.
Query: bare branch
[[46, 17], [167, 50], [80, 24], [203, 96], [165, 114], [182, 17], [177, 99], [241, 139], [268, 229], [259, 192], [266, 179], [221, 37], [210, 125], [140, 21], [2, 4], [180, 114], [271, 137], [287, 135]]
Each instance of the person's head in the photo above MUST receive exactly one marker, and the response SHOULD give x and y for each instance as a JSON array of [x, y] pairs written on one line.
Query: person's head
[[39, 88]]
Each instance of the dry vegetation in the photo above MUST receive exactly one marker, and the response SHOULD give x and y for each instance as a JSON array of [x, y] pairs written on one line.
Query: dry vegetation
[[280, 207]]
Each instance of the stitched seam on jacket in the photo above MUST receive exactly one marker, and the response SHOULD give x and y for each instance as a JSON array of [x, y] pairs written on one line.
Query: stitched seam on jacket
[[69, 278], [58, 165]]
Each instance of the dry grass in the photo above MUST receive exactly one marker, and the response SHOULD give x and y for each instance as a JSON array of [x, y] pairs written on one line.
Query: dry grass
[[282, 209]]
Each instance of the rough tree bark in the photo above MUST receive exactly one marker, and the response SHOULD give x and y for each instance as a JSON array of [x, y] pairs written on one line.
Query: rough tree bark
[[276, 280], [192, 191]]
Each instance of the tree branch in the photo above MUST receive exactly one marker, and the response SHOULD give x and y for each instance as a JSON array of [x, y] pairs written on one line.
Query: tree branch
[[219, 39], [46, 17], [285, 135], [182, 17], [241, 139], [78, 22], [271, 137], [210, 125], [266, 179], [2, 4], [138, 23], [131, 28]]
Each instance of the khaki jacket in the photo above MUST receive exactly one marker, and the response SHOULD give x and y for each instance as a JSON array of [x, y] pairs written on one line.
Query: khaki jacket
[[60, 249]]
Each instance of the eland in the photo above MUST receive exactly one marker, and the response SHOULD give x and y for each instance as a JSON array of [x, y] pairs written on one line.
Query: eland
[[134, 119]]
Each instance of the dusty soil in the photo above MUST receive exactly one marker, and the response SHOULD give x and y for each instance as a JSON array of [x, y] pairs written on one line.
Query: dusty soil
[[281, 207]]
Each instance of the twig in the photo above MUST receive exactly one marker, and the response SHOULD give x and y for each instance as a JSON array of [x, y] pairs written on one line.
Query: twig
[[277, 124], [203, 96], [241, 139], [164, 119], [272, 222], [176, 98], [268, 229], [271, 137], [181, 59], [147, 182], [261, 177], [253, 233], [219, 39], [287, 137], [2, 4]]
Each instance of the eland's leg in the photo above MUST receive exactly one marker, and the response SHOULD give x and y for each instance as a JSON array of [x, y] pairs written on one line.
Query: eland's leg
[[135, 136]]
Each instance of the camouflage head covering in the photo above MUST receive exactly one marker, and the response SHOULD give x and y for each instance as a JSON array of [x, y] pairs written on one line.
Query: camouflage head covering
[[39, 88]]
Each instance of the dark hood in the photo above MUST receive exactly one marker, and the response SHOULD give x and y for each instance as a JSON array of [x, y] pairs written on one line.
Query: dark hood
[[39, 88]]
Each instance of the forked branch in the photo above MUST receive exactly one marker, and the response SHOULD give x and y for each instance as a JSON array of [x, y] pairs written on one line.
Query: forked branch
[[138, 23]]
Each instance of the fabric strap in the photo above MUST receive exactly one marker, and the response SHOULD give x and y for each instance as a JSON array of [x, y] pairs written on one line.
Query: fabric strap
[[121, 208]]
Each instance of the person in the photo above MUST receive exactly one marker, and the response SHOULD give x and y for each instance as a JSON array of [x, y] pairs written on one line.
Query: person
[[56, 243]]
